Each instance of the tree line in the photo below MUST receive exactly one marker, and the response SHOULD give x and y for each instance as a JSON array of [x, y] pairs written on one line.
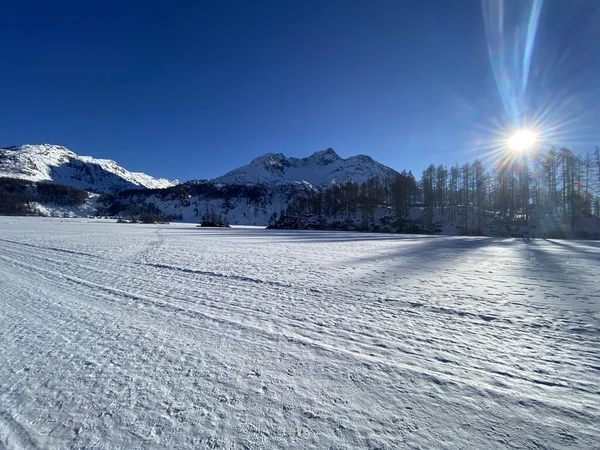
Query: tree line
[[16, 195], [519, 190]]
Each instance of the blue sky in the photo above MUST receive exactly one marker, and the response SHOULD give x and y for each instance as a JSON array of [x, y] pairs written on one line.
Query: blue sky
[[193, 89]]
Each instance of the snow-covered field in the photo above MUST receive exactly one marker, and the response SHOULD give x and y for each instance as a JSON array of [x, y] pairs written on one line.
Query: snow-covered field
[[171, 336]]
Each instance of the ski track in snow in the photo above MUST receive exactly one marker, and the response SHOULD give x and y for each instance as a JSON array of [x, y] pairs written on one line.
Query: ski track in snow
[[139, 336]]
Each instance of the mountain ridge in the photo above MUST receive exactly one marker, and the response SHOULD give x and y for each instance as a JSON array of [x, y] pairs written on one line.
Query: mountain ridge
[[319, 169], [58, 164]]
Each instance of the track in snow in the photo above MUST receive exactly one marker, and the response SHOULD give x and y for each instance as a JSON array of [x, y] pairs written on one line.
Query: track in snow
[[134, 336]]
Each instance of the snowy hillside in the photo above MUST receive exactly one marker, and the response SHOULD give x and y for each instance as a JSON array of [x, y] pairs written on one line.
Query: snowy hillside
[[176, 337], [319, 169], [60, 165], [235, 204]]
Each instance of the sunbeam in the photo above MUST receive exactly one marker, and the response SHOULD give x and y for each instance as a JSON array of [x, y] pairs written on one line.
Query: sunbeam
[[510, 53], [532, 26]]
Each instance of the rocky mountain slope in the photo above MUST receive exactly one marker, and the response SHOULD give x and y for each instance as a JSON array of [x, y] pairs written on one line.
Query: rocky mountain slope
[[58, 164], [320, 170]]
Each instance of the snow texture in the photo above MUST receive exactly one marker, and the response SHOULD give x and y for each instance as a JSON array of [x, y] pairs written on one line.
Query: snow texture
[[146, 336], [58, 164], [320, 170]]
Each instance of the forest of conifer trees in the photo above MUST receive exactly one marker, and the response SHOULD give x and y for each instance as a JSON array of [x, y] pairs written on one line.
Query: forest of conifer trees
[[519, 190]]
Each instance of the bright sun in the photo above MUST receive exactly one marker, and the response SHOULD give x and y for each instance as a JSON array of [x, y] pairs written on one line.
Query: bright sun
[[522, 140]]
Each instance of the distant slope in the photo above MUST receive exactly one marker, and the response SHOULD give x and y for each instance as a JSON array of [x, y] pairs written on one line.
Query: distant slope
[[190, 202], [58, 164], [20, 197], [320, 170]]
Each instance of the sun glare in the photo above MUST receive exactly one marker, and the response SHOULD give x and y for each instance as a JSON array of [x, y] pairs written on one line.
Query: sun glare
[[522, 140]]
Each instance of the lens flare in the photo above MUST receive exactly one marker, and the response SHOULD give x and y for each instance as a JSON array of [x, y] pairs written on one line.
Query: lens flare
[[510, 52], [545, 92]]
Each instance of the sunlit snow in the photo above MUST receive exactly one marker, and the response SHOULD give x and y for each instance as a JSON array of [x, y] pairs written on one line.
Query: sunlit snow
[[171, 336], [46, 162]]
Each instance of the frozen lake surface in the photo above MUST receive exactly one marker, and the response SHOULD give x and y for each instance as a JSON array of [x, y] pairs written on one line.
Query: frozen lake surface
[[170, 336]]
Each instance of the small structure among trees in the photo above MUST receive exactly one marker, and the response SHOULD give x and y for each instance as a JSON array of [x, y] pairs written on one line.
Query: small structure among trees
[[213, 220]]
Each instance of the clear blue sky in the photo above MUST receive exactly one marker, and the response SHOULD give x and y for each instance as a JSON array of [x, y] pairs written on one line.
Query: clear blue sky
[[193, 89]]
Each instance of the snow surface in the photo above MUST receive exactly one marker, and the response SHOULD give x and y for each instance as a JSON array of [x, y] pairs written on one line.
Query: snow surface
[[320, 170], [55, 163], [146, 336]]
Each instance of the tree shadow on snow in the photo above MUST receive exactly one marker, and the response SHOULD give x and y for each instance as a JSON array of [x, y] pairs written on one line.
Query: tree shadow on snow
[[577, 246], [446, 248]]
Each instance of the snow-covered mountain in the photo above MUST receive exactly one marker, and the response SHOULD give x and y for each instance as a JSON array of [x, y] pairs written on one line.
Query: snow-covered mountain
[[58, 164], [319, 169], [253, 194]]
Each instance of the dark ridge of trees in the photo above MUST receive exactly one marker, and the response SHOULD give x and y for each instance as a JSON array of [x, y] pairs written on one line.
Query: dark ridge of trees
[[16, 195], [204, 189], [153, 218], [60, 194], [143, 212], [134, 202]]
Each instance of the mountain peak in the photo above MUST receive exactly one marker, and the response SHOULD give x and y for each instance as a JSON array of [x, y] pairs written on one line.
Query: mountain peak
[[324, 157], [318, 169], [40, 148], [55, 163]]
